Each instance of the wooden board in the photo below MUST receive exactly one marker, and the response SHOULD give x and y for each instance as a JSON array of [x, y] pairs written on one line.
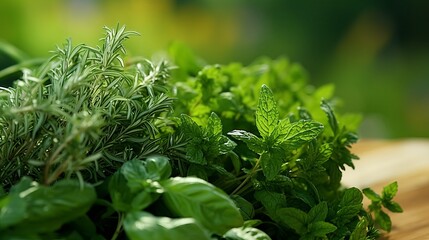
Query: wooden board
[[407, 162]]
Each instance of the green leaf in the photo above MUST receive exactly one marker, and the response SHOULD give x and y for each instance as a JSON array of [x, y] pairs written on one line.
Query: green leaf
[[267, 114], [393, 206], [158, 167], [321, 228], [48, 208], [318, 212], [142, 226], [12, 210], [253, 142], [383, 220], [214, 125], [371, 195], [271, 162], [390, 191], [333, 123], [294, 218], [297, 133], [246, 208], [272, 201], [360, 231], [248, 233], [351, 196], [196, 198]]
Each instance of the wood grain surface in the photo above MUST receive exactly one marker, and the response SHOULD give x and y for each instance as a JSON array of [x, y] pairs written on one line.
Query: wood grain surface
[[407, 162]]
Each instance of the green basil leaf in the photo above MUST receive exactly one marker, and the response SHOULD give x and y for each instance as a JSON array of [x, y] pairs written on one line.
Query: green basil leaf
[[196, 198], [158, 167], [48, 208], [267, 114], [142, 226], [247, 233], [12, 210]]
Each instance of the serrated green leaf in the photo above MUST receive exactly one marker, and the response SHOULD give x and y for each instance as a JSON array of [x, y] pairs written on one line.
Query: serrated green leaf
[[214, 125], [318, 212], [226, 145], [321, 228], [294, 218], [383, 220], [351, 196], [247, 233], [142, 226], [272, 201], [389, 191], [271, 162], [371, 195], [297, 133], [360, 232], [198, 199], [333, 123], [392, 206], [267, 114], [253, 142]]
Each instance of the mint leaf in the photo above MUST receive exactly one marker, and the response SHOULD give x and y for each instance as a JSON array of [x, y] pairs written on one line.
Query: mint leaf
[[253, 142], [360, 231], [294, 218], [383, 220], [272, 201], [371, 195], [393, 206], [333, 123], [318, 212], [297, 133], [267, 114], [214, 125], [271, 162], [321, 228], [389, 191]]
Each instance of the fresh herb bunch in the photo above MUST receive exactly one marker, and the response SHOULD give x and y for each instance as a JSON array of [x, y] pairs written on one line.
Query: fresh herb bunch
[[96, 147]]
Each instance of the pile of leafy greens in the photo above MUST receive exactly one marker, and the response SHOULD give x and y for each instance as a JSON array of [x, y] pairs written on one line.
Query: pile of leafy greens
[[93, 146]]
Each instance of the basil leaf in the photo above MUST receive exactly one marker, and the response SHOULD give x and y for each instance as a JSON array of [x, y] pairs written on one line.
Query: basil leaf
[[196, 198], [143, 225]]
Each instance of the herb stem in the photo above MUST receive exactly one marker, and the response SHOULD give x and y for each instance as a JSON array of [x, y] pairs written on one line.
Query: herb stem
[[118, 226], [250, 175]]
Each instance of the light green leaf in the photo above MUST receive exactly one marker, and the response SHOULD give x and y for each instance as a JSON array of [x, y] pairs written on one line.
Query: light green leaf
[[247, 233], [371, 195], [297, 133], [253, 142], [294, 218], [390, 191], [214, 125], [383, 220], [196, 198], [142, 226], [158, 167], [321, 228], [271, 162], [318, 212], [267, 114], [360, 231]]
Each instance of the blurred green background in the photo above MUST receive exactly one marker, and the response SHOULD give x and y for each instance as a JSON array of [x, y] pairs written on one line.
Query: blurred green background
[[376, 52]]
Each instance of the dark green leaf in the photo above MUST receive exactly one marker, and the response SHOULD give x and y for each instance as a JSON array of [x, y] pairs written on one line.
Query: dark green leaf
[[294, 218], [318, 212], [247, 233], [371, 195], [142, 226], [321, 228], [226, 145], [253, 142], [196, 198], [271, 162], [246, 208], [390, 191], [272, 201], [351, 196], [12, 210], [333, 123], [267, 114]]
